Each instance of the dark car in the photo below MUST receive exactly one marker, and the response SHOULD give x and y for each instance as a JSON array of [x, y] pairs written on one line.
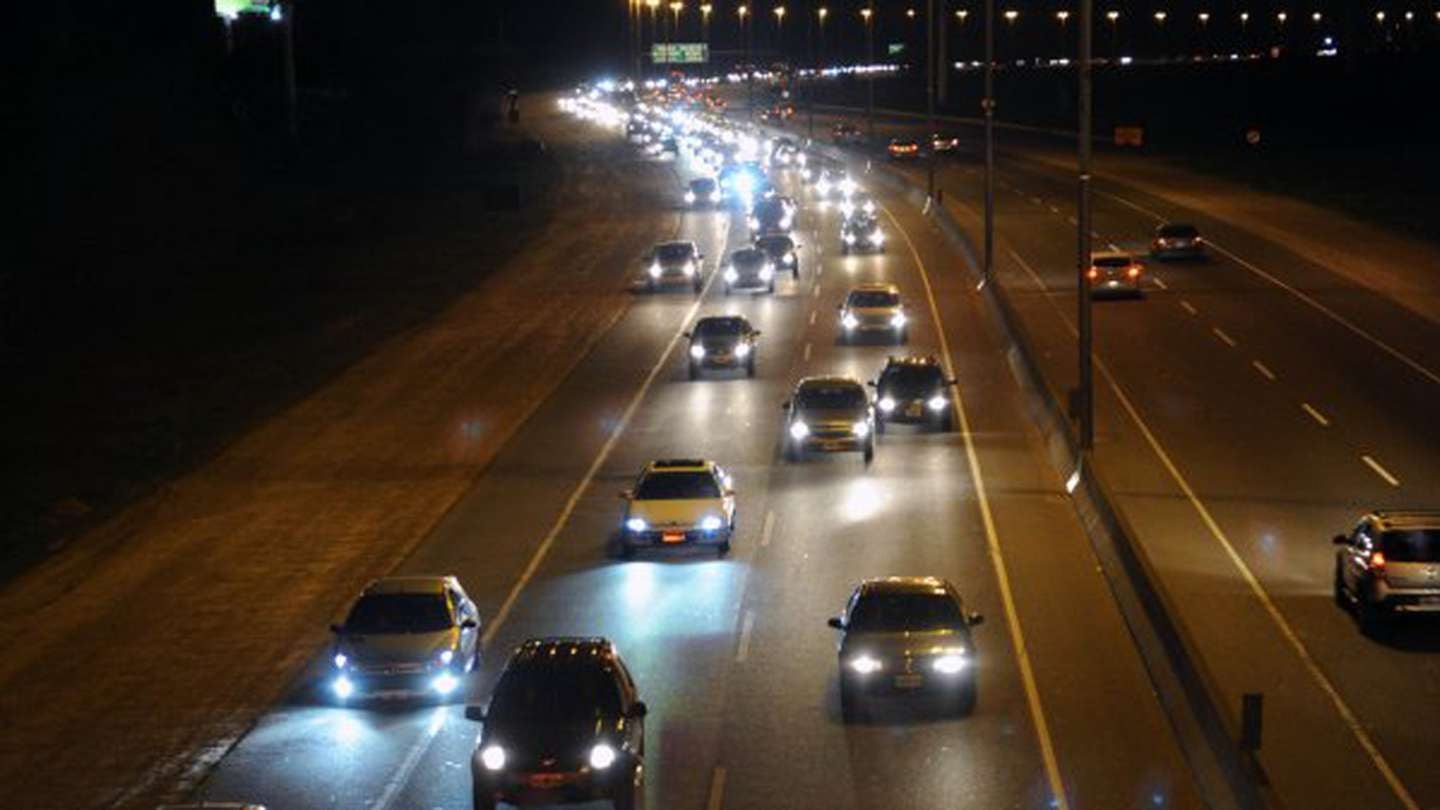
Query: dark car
[[1177, 240], [861, 231], [906, 636], [702, 191], [913, 390], [772, 215], [829, 414], [677, 261], [723, 341], [565, 725], [783, 251], [749, 269], [942, 142], [844, 133], [903, 149], [1387, 565]]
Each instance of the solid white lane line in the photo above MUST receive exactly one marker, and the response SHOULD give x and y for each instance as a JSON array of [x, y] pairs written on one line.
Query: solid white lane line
[[716, 799], [807, 352], [1264, 370], [563, 518], [1037, 201], [1039, 283], [1347, 716], [1329, 313], [813, 313], [1380, 471], [1314, 414], [747, 626], [1220, 333], [768, 529], [1160, 282], [406, 769], [1058, 799], [1071, 220], [1189, 307]]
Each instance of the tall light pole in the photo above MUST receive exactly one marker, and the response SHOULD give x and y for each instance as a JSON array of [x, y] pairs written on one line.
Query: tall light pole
[[1064, 18], [867, 14], [987, 104], [930, 89], [705, 9], [1114, 17], [654, 6], [675, 8], [780, 32], [1085, 398], [743, 11]]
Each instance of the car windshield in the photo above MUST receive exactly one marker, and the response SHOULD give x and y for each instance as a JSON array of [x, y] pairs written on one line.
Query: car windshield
[[865, 224], [1413, 546], [873, 298], [831, 397], [399, 613], [1179, 231], [1112, 261], [775, 244], [672, 252], [722, 327], [703, 184], [551, 694], [747, 257], [911, 378], [674, 486], [900, 612]]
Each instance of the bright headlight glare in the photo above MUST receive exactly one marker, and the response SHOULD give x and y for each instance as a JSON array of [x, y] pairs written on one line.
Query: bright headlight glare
[[799, 430], [950, 664], [731, 276], [714, 196], [446, 656], [689, 196], [767, 272], [709, 523], [866, 664], [340, 660], [877, 236], [444, 683], [897, 320], [849, 238], [697, 351], [849, 321], [742, 349], [861, 429], [635, 524], [887, 404], [655, 270], [937, 403], [602, 756], [492, 757], [689, 268], [343, 687], [790, 257]]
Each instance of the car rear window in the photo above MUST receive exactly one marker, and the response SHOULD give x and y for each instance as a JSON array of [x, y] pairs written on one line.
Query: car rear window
[[703, 184], [1112, 261], [399, 613], [900, 612], [672, 486], [869, 298], [1414, 546], [832, 397]]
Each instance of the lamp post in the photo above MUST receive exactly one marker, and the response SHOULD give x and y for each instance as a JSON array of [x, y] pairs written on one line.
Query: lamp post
[[987, 104], [675, 8], [705, 9], [743, 11], [868, 15], [930, 89], [1114, 17], [654, 6], [780, 31], [1063, 17], [1085, 399]]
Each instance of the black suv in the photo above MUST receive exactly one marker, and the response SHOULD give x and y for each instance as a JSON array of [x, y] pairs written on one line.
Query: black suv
[[913, 390], [722, 341], [565, 725]]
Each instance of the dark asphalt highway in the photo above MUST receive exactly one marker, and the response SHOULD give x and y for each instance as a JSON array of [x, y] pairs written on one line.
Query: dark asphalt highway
[[1249, 408], [733, 655]]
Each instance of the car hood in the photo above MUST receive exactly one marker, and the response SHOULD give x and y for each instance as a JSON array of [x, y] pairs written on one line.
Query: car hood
[[397, 648], [817, 418], [901, 646], [687, 512]]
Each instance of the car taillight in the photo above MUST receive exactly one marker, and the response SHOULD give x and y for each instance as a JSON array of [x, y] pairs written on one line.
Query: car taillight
[[1134, 272], [1093, 274], [1377, 563]]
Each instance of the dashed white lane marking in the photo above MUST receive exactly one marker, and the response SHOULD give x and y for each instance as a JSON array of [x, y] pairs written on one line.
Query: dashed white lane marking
[[1160, 282], [816, 292], [1189, 307], [1037, 201], [1072, 220], [813, 314], [807, 352], [767, 530], [1264, 370], [1054, 210], [1058, 799], [1220, 333], [1380, 471], [1329, 313], [1314, 414], [747, 626], [716, 799]]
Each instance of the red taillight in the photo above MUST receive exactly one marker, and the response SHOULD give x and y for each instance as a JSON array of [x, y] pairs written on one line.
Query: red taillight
[[1134, 272], [1093, 274], [1377, 561]]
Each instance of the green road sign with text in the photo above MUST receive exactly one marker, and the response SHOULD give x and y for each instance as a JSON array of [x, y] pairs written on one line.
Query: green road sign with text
[[897, 48], [680, 53]]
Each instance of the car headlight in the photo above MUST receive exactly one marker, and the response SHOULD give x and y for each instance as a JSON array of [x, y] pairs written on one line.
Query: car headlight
[[887, 404], [636, 524], [444, 683], [492, 757], [690, 197], [709, 523], [602, 756], [897, 320], [767, 272], [866, 664], [849, 238], [877, 237], [340, 660], [742, 350], [823, 186], [445, 657], [789, 257], [343, 687], [689, 268], [730, 276], [861, 429], [655, 270], [937, 403], [799, 430], [714, 196], [849, 321], [950, 664], [697, 351]]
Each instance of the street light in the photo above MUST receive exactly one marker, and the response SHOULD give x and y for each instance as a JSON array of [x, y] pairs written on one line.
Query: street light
[[1160, 17], [867, 14], [1011, 16], [961, 14], [1317, 17], [1062, 16], [1204, 17], [1282, 17], [742, 11], [705, 9], [780, 30]]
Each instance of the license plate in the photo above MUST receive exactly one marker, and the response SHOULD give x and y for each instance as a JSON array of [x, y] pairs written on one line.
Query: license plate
[[913, 409], [545, 780], [909, 681], [832, 444], [672, 537]]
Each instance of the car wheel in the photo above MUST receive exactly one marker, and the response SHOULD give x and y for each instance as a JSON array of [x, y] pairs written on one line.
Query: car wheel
[[723, 549], [795, 271], [869, 451], [699, 285], [792, 453], [627, 551], [727, 289], [483, 802], [1342, 599], [903, 337], [845, 250], [1374, 620], [771, 289], [965, 701], [850, 708]]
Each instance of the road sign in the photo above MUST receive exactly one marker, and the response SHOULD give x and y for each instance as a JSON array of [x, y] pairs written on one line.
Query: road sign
[[896, 48], [680, 53]]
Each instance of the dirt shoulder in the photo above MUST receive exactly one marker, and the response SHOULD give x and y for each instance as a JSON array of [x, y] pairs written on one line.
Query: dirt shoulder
[[146, 646]]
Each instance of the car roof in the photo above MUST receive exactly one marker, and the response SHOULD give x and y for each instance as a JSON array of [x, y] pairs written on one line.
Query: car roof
[[679, 465], [1110, 254], [1402, 519], [562, 648], [877, 286], [834, 379], [903, 585], [410, 584], [926, 361]]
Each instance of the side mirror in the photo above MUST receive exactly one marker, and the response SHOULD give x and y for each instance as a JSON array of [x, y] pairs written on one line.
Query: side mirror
[[756, 333], [785, 406], [974, 619], [1340, 540], [476, 713], [952, 381], [469, 624], [337, 629], [870, 383], [686, 335], [836, 622], [729, 493], [638, 709]]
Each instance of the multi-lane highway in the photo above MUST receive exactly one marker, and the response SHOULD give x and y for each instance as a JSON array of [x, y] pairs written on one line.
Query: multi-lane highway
[[1251, 406], [733, 655]]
